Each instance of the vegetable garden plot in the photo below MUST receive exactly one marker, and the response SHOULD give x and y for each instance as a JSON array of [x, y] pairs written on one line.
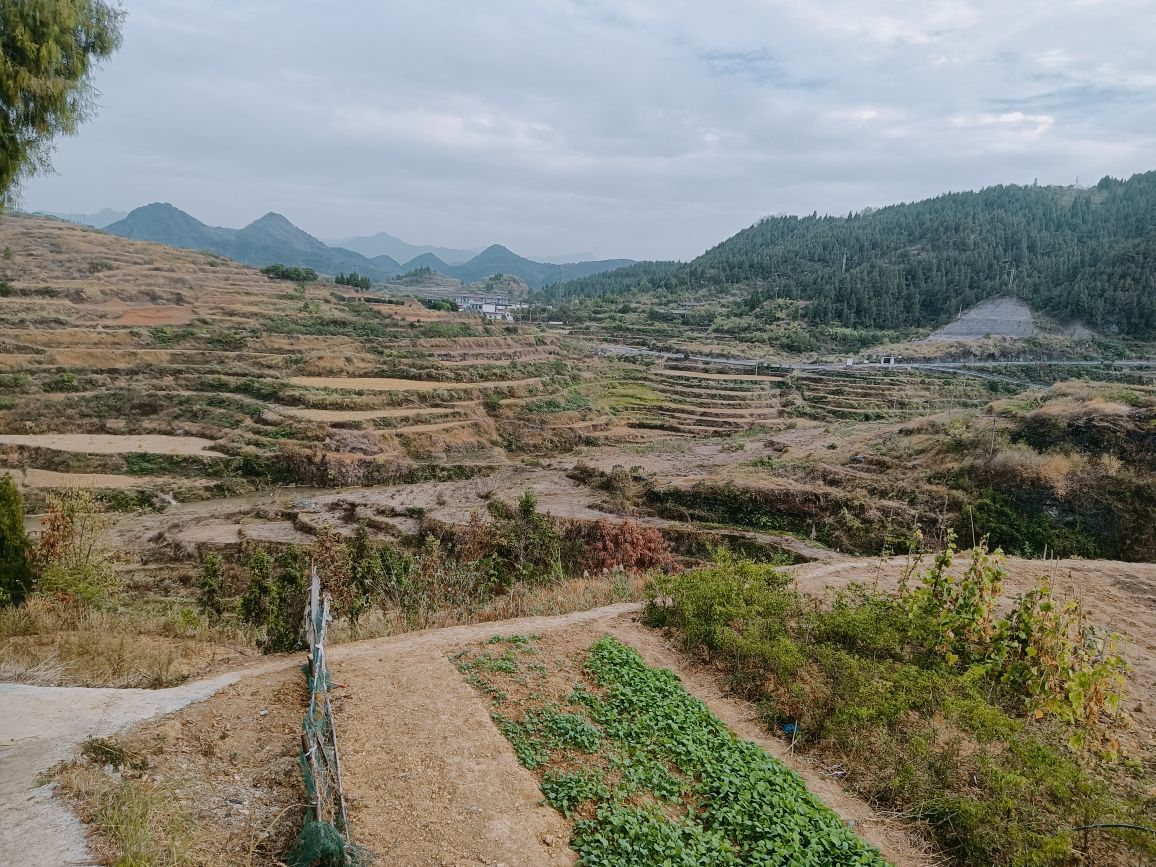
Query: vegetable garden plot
[[649, 774]]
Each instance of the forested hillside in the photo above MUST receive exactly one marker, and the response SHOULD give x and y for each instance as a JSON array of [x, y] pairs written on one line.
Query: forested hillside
[[1087, 255]]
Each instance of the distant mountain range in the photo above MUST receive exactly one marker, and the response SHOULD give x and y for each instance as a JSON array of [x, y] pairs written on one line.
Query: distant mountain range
[[497, 259], [99, 220], [263, 242], [274, 239], [383, 244]]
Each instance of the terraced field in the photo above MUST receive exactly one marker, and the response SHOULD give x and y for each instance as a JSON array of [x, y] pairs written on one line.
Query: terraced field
[[701, 402], [133, 361], [239, 428]]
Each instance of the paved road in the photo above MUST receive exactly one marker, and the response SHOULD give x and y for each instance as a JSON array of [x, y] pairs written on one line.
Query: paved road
[[43, 725], [963, 367]]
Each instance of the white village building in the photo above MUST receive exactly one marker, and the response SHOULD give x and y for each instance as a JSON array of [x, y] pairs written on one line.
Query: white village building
[[492, 307]]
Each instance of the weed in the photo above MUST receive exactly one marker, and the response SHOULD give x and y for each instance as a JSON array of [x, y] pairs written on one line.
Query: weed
[[507, 663], [104, 751], [139, 822]]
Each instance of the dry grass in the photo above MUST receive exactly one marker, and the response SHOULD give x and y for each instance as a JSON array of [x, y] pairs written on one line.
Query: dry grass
[[141, 818], [52, 643], [215, 783], [523, 600], [46, 671], [1053, 470], [138, 822]]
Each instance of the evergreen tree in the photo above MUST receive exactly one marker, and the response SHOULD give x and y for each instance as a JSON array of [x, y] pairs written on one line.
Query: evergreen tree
[[16, 575]]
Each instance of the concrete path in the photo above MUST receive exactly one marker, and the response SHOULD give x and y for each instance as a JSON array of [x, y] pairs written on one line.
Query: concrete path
[[42, 726]]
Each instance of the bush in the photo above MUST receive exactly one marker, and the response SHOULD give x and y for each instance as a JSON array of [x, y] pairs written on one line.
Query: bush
[[517, 545], [626, 545], [992, 729], [16, 576], [275, 598], [71, 554], [211, 585], [291, 273]]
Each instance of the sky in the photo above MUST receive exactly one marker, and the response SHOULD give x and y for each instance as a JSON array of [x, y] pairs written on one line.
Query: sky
[[627, 128]]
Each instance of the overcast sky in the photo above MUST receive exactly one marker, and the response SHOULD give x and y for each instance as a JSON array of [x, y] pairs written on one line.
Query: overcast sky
[[637, 128]]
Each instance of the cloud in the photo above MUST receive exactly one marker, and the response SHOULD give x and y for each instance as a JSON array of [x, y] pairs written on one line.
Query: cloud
[[642, 128], [1031, 124]]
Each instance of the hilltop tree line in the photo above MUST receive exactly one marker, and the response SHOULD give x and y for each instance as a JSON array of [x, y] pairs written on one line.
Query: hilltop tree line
[[353, 279], [1077, 254], [293, 273]]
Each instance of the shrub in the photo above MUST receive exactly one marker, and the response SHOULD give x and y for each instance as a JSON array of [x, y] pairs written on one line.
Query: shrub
[[253, 607], [291, 273], [990, 728], [518, 545], [16, 576], [625, 545], [62, 382], [275, 598], [71, 555], [211, 585]]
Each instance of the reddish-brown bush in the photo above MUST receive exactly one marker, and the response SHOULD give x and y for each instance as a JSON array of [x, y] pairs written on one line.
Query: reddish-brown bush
[[631, 546]]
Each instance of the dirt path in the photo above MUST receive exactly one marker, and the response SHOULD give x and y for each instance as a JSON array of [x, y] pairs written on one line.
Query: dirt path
[[429, 779], [379, 383], [114, 444], [439, 785], [42, 726]]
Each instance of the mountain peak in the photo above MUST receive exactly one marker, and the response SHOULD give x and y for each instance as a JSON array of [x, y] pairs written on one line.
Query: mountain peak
[[273, 219], [160, 210], [160, 221], [272, 238]]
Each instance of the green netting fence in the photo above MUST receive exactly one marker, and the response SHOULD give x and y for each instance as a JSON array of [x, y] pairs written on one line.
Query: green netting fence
[[324, 840]]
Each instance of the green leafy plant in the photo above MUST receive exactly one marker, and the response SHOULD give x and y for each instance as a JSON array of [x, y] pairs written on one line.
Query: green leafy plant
[[211, 585], [659, 780], [565, 790]]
